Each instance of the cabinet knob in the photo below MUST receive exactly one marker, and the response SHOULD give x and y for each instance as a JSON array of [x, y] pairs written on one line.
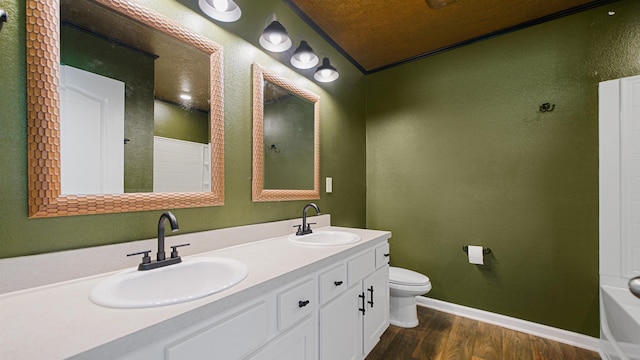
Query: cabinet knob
[[303, 303], [337, 283]]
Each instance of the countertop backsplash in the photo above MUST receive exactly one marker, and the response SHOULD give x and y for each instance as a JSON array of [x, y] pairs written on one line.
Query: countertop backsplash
[[27, 272]]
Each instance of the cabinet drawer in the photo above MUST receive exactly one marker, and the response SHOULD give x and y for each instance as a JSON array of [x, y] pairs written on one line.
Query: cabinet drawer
[[232, 338], [361, 266], [333, 282], [382, 255], [295, 303], [299, 343]]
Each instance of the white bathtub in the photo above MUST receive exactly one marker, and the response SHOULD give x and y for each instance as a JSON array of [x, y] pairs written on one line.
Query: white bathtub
[[619, 324]]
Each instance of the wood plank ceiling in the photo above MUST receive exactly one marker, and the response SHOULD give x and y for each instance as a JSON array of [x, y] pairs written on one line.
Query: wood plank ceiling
[[378, 34]]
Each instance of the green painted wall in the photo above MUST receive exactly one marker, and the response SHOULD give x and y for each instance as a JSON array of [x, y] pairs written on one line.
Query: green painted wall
[[458, 153], [342, 143], [288, 124], [176, 122]]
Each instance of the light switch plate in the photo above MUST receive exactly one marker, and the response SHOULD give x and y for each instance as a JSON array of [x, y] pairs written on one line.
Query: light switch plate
[[329, 185]]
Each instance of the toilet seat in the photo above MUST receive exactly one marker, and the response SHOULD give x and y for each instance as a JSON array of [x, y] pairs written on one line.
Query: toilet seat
[[407, 277]]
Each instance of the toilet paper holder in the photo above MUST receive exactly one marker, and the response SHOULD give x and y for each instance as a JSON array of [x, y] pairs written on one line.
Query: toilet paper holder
[[485, 250]]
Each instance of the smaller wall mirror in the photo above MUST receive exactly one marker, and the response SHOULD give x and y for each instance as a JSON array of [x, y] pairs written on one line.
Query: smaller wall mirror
[[286, 139]]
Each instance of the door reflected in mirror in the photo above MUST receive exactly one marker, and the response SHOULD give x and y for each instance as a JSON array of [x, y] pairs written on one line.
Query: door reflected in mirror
[[285, 139], [126, 87]]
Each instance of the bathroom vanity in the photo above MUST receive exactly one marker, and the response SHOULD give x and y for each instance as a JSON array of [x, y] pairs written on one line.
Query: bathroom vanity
[[297, 302]]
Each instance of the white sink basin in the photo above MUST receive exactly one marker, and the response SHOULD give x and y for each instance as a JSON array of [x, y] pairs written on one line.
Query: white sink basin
[[189, 280], [325, 238]]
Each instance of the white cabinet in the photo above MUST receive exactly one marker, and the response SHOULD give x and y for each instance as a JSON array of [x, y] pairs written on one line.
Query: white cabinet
[[376, 317], [333, 313], [295, 303], [298, 343], [376, 320], [352, 323], [332, 282], [382, 255], [229, 335], [231, 338], [340, 321]]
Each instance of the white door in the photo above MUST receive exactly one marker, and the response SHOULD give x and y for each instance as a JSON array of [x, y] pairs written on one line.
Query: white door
[[91, 133], [376, 319]]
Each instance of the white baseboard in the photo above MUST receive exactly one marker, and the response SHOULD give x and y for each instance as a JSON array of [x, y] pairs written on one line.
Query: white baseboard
[[548, 332]]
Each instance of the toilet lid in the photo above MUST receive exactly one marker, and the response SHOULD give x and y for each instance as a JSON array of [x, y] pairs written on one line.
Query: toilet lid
[[402, 276]]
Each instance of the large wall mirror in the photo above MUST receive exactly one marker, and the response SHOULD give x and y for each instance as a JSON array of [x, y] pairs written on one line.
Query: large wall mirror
[[125, 110], [286, 139]]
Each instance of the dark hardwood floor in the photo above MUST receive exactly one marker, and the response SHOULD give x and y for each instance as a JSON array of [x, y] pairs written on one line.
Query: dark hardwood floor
[[443, 336]]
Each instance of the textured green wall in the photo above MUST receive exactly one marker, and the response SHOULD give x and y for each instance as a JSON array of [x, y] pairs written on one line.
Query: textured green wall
[[288, 124], [342, 143], [176, 122], [458, 153]]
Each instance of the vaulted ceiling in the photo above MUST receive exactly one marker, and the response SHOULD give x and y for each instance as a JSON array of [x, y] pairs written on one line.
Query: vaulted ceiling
[[377, 34]]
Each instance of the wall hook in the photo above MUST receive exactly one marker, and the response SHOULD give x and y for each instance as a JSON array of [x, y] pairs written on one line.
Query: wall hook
[[274, 148], [547, 107], [3, 17]]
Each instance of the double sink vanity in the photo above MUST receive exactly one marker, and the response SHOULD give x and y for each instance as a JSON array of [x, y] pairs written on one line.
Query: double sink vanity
[[323, 295]]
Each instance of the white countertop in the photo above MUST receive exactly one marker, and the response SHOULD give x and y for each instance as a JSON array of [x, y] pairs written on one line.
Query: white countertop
[[59, 321]]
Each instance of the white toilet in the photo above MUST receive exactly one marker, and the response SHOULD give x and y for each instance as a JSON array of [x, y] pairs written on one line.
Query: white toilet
[[404, 286]]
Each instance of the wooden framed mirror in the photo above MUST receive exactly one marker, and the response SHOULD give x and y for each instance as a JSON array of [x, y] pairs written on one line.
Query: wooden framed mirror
[[286, 139], [43, 55]]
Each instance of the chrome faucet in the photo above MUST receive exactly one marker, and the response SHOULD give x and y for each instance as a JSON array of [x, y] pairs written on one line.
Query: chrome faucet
[[306, 228], [161, 258]]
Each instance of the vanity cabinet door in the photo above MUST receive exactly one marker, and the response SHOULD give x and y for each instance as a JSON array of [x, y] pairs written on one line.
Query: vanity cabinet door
[[232, 338], [341, 327], [297, 344], [376, 319], [351, 323]]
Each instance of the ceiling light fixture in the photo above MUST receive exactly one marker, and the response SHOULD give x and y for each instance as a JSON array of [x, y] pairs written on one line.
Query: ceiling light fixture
[[304, 57], [221, 10], [275, 37], [436, 4], [326, 72]]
